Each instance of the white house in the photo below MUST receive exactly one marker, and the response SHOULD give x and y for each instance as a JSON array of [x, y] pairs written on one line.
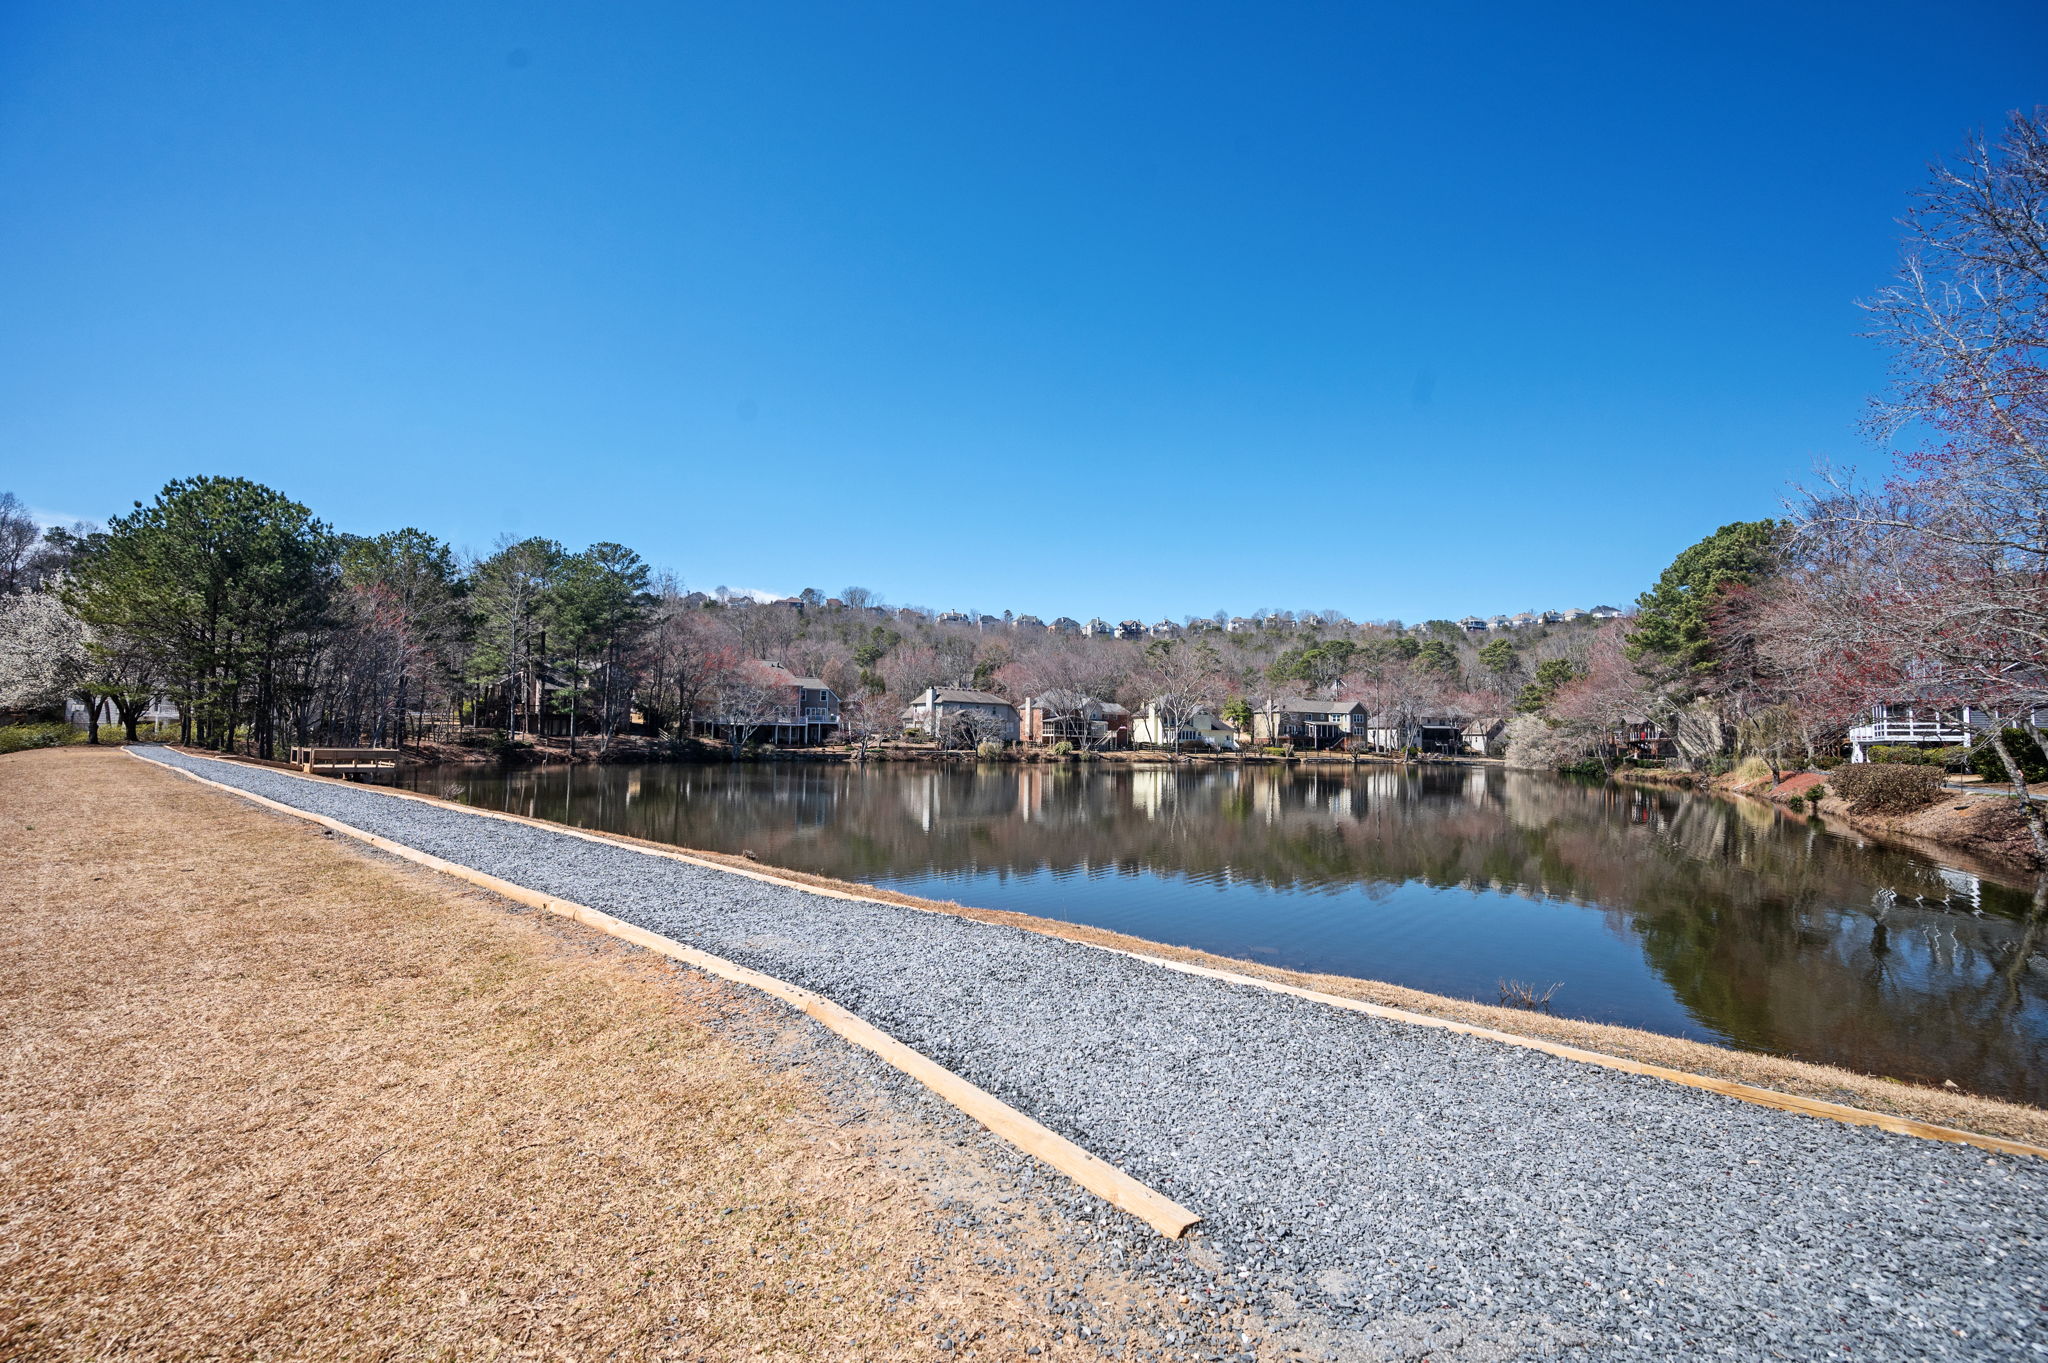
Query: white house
[[1202, 726], [1907, 725], [1482, 736]]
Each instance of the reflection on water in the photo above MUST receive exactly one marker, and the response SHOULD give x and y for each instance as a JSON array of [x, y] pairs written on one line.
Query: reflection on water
[[1681, 913]]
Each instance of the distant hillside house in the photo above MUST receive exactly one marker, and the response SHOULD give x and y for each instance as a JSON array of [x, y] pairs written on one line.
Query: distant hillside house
[[1097, 628], [1028, 622], [1604, 613], [1472, 624], [1240, 625], [1130, 629], [944, 712], [1308, 723], [1065, 625], [1166, 629]]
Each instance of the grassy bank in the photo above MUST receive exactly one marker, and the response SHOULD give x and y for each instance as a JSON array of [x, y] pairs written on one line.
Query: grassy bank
[[270, 1097]]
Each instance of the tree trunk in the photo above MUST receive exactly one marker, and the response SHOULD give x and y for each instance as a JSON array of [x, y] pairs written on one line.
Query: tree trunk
[[2030, 808]]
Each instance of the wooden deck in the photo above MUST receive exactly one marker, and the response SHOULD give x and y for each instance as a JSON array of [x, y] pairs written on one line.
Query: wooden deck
[[345, 759]]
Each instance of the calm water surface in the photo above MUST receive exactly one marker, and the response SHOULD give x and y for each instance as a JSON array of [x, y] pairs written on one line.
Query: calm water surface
[[1686, 914]]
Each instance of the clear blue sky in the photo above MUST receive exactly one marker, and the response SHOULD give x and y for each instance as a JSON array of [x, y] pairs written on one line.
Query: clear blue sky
[[1096, 309]]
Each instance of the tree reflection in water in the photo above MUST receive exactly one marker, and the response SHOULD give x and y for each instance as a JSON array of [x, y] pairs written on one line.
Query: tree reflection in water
[[1683, 913]]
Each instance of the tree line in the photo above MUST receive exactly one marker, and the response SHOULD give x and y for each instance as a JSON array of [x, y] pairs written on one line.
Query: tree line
[[264, 627]]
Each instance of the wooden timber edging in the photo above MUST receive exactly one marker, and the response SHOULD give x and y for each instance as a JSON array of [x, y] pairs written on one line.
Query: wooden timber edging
[[1727, 1088], [1105, 1180]]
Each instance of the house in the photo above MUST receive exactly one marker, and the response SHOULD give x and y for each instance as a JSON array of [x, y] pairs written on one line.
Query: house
[[1604, 613], [1913, 725], [956, 714], [1643, 738], [1443, 734], [804, 713], [1472, 624], [1166, 629], [1571, 616], [1523, 619], [1065, 625], [1130, 629], [1084, 722], [1308, 723], [1551, 618], [1483, 736], [955, 618], [1499, 622], [1027, 622], [1239, 625], [158, 711], [1202, 726], [1097, 628], [988, 622]]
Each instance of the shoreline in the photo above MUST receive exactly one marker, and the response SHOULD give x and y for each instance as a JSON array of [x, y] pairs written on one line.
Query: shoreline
[[1988, 839], [1801, 1078]]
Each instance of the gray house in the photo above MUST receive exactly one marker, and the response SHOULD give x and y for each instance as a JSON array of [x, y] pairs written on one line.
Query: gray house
[[1308, 723], [953, 713]]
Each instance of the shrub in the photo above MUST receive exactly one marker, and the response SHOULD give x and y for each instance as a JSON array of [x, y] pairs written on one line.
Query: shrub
[[1887, 787], [1828, 762], [18, 737], [1751, 770], [988, 747], [2024, 750], [1062, 748], [1949, 759]]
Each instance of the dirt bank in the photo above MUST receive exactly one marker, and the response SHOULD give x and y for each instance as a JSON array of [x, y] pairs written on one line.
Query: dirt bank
[[1986, 827]]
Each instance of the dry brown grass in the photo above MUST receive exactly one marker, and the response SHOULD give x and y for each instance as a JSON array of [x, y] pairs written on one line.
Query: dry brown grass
[[267, 1097]]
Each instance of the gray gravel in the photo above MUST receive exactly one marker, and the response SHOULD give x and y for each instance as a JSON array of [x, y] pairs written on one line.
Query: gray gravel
[[1396, 1191]]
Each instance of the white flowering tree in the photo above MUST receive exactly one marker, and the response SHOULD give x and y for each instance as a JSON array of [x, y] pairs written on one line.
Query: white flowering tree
[[42, 652]]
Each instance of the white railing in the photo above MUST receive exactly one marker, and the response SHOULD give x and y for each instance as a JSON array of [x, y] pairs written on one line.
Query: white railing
[[1947, 731]]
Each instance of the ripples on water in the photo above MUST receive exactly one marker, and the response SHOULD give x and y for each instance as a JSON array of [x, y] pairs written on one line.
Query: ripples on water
[[1685, 914]]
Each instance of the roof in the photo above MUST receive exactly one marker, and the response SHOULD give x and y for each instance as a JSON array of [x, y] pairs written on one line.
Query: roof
[[1484, 726], [784, 677], [1299, 705], [961, 695]]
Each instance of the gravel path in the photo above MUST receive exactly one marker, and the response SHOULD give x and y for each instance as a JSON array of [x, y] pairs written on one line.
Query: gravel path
[[1415, 1193]]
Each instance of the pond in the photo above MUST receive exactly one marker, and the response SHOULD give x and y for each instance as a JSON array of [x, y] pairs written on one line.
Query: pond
[[1687, 914]]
